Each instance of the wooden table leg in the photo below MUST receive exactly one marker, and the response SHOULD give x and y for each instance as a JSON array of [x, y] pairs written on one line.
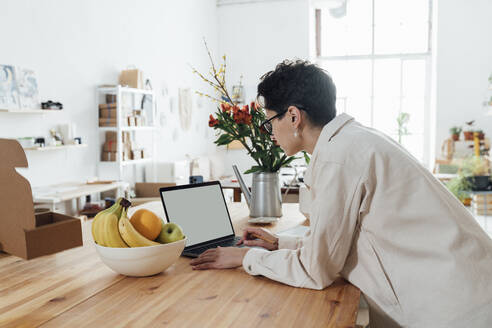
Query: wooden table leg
[[237, 195]]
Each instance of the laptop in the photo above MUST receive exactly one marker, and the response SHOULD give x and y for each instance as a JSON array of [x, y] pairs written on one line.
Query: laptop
[[201, 211]]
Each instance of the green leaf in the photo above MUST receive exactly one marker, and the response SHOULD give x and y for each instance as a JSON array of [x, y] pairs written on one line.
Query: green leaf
[[285, 161], [256, 155], [289, 160], [306, 157], [224, 139], [255, 168]]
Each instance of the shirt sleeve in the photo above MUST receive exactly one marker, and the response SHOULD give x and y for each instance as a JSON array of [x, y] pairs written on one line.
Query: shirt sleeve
[[336, 198], [288, 242]]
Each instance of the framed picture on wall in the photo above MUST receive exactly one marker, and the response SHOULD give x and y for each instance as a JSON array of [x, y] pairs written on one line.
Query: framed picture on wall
[[9, 92], [27, 86]]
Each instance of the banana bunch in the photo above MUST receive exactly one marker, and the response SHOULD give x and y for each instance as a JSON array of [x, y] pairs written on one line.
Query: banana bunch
[[112, 228], [130, 235], [105, 225]]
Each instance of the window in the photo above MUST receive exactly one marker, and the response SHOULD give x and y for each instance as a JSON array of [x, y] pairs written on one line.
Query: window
[[378, 53]]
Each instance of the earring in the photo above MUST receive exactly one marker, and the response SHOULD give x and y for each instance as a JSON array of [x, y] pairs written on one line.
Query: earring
[[296, 134]]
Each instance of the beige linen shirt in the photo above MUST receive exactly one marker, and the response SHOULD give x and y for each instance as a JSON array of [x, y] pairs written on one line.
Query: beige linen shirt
[[382, 221]]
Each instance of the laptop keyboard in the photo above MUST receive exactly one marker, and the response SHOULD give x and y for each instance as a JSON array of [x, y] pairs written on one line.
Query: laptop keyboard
[[225, 243]]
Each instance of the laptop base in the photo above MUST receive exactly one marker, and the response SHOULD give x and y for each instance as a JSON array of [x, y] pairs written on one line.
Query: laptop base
[[195, 252]]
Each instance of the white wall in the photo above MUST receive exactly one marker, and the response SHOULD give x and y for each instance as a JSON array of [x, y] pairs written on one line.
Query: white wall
[[463, 59], [255, 37], [92, 40], [78, 44]]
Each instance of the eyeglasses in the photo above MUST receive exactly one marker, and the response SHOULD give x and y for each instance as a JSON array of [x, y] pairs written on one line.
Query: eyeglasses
[[267, 125]]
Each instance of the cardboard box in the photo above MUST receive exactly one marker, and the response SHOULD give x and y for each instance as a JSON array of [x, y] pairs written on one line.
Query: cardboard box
[[110, 146], [125, 136], [110, 135], [110, 98], [483, 212], [22, 233], [482, 198], [150, 189], [67, 230], [132, 78], [107, 113], [107, 122], [148, 192], [107, 106], [108, 156]]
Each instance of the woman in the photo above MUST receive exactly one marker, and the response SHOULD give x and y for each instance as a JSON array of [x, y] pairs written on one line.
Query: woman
[[378, 218]]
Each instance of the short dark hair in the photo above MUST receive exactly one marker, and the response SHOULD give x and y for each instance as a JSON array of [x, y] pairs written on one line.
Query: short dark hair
[[302, 84]]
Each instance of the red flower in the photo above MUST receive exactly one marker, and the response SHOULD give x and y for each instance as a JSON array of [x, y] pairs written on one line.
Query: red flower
[[212, 122], [235, 109], [253, 106], [246, 108], [237, 117], [247, 119], [242, 117], [225, 107]]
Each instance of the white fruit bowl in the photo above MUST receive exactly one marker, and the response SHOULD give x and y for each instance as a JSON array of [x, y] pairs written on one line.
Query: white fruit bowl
[[141, 261]]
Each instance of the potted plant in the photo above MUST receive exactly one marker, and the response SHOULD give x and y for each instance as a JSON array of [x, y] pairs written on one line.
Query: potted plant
[[477, 171], [402, 121], [480, 134], [235, 122], [460, 187], [468, 134], [455, 132]]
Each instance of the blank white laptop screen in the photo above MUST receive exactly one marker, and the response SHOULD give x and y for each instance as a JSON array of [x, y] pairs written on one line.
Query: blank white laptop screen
[[200, 211]]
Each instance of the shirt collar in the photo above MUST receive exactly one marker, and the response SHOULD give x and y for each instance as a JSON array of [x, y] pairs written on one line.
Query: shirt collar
[[327, 133], [331, 129]]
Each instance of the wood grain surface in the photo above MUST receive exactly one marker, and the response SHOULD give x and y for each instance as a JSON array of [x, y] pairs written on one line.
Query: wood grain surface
[[75, 289]]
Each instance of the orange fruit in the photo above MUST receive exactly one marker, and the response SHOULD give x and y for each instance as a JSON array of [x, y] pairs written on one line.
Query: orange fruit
[[147, 223]]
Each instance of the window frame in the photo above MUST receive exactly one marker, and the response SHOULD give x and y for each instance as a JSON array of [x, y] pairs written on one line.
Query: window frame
[[373, 57]]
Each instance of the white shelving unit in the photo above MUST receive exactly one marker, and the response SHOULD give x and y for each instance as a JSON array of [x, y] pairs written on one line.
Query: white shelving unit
[[121, 125], [47, 148], [127, 128], [40, 112], [29, 111]]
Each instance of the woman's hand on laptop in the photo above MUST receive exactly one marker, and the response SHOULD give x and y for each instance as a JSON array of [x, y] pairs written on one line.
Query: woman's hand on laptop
[[259, 237], [219, 258]]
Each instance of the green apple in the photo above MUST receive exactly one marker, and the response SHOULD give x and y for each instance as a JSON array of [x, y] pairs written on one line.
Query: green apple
[[170, 232]]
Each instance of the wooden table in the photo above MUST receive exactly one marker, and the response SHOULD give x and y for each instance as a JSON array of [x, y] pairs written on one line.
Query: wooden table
[[75, 289]]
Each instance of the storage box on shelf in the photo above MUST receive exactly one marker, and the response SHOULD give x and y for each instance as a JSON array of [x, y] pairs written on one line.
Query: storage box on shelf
[[481, 203]]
